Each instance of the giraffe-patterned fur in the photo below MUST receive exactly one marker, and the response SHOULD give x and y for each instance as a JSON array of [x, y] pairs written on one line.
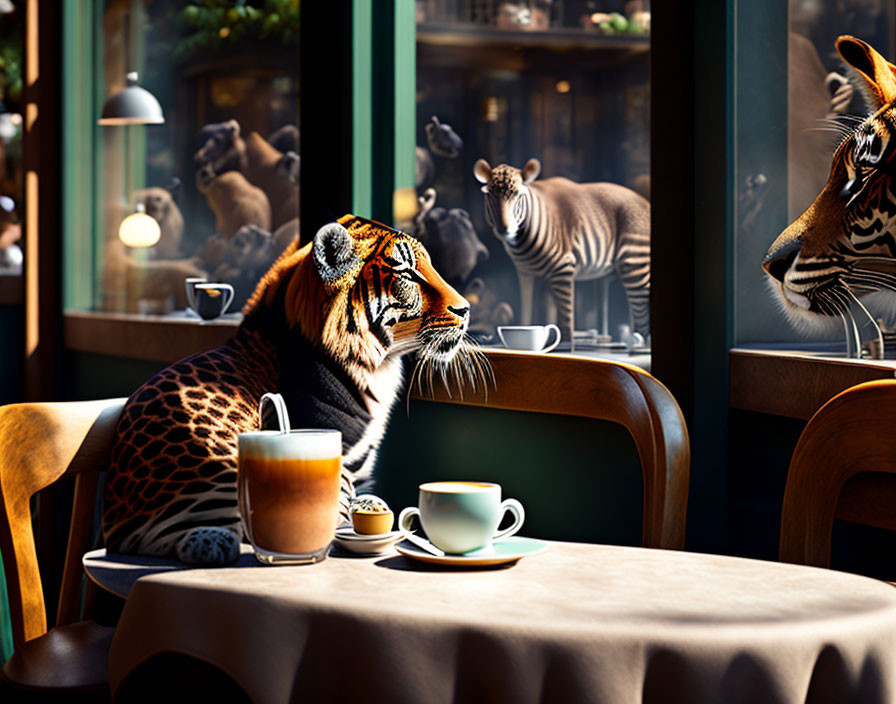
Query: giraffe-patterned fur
[[325, 328], [177, 445]]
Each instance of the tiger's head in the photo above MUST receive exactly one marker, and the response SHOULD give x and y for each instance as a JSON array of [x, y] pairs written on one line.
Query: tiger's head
[[843, 245], [366, 293], [505, 195]]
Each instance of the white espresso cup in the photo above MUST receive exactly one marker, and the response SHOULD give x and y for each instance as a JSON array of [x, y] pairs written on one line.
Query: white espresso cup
[[212, 300], [460, 517], [190, 284], [532, 338]]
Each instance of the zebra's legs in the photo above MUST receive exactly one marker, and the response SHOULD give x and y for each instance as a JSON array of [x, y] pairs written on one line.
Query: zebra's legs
[[634, 272], [563, 292], [527, 296]]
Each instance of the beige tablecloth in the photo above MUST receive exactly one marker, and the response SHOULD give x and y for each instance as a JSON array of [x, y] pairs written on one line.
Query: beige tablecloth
[[577, 623]]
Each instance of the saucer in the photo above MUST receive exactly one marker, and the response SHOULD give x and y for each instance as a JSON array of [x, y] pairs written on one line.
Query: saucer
[[363, 544], [502, 551]]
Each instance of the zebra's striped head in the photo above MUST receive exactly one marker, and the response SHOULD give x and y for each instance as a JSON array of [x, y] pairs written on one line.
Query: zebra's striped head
[[506, 189], [843, 245]]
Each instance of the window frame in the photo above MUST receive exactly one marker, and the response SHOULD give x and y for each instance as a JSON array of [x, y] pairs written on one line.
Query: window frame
[[692, 155]]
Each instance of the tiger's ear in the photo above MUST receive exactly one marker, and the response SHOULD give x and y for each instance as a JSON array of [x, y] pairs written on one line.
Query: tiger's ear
[[873, 73], [334, 252], [482, 171], [531, 170]]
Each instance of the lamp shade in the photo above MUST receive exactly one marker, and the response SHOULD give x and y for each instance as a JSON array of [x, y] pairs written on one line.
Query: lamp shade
[[132, 106]]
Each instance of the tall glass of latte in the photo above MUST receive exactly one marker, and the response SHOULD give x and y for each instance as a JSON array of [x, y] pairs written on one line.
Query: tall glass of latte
[[288, 485]]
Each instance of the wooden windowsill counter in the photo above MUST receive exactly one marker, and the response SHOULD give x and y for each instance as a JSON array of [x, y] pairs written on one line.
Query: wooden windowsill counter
[[152, 338], [792, 383]]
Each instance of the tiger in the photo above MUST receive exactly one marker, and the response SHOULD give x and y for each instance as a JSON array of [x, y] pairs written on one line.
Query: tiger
[[562, 231], [326, 327], [842, 247]]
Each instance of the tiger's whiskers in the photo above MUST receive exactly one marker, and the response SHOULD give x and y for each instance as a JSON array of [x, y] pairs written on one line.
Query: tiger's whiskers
[[467, 365]]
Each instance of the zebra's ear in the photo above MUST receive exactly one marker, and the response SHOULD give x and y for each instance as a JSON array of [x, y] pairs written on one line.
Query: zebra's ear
[[482, 171], [334, 252], [531, 170]]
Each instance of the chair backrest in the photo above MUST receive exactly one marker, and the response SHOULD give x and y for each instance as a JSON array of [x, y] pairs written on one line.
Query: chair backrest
[[41, 443], [603, 390], [844, 466]]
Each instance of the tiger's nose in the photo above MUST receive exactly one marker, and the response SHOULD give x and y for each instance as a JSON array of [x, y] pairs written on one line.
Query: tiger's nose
[[462, 312], [779, 259]]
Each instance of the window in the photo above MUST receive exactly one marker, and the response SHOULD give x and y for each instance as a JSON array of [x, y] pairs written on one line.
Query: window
[[218, 178], [564, 84], [793, 101]]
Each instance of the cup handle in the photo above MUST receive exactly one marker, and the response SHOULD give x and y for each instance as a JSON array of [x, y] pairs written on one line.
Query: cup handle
[[277, 407], [404, 520], [190, 290], [552, 328], [516, 508], [228, 293]]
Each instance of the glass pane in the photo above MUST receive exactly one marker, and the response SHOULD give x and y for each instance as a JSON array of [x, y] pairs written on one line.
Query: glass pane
[[553, 97], [12, 26], [218, 179], [795, 107]]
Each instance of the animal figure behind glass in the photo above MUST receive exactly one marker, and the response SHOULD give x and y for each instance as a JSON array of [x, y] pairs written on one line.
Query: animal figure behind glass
[[252, 188], [561, 232], [449, 235], [442, 142], [326, 328], [154, 281], [450, 238], [842, 248]]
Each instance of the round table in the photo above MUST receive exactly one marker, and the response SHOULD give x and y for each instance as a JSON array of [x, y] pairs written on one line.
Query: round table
[[578, 622]]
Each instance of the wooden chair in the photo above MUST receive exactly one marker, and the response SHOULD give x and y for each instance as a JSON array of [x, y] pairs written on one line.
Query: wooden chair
[[603, 390], [844, 466], [41, 443]]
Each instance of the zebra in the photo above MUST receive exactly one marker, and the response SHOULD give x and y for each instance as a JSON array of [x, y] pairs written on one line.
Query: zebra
[[562, 232]]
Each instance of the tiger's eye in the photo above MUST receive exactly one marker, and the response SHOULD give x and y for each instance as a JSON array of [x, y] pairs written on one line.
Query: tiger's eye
[[869, 149]]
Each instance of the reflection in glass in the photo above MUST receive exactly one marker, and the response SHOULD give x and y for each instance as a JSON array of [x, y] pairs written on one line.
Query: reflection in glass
[[544, 98], [800, 108], [220, 176]]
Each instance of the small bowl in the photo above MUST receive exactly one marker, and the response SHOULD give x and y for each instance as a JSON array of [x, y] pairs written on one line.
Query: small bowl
[[372, 523]]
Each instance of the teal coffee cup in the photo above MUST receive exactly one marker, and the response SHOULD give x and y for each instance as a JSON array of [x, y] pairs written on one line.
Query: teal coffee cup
[[459, 517]]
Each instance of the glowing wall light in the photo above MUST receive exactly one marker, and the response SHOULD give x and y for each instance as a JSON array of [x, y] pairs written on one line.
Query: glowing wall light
[[139, 229]]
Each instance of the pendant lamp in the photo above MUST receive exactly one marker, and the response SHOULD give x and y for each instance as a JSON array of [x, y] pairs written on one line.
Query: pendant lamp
[[132, 106]]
